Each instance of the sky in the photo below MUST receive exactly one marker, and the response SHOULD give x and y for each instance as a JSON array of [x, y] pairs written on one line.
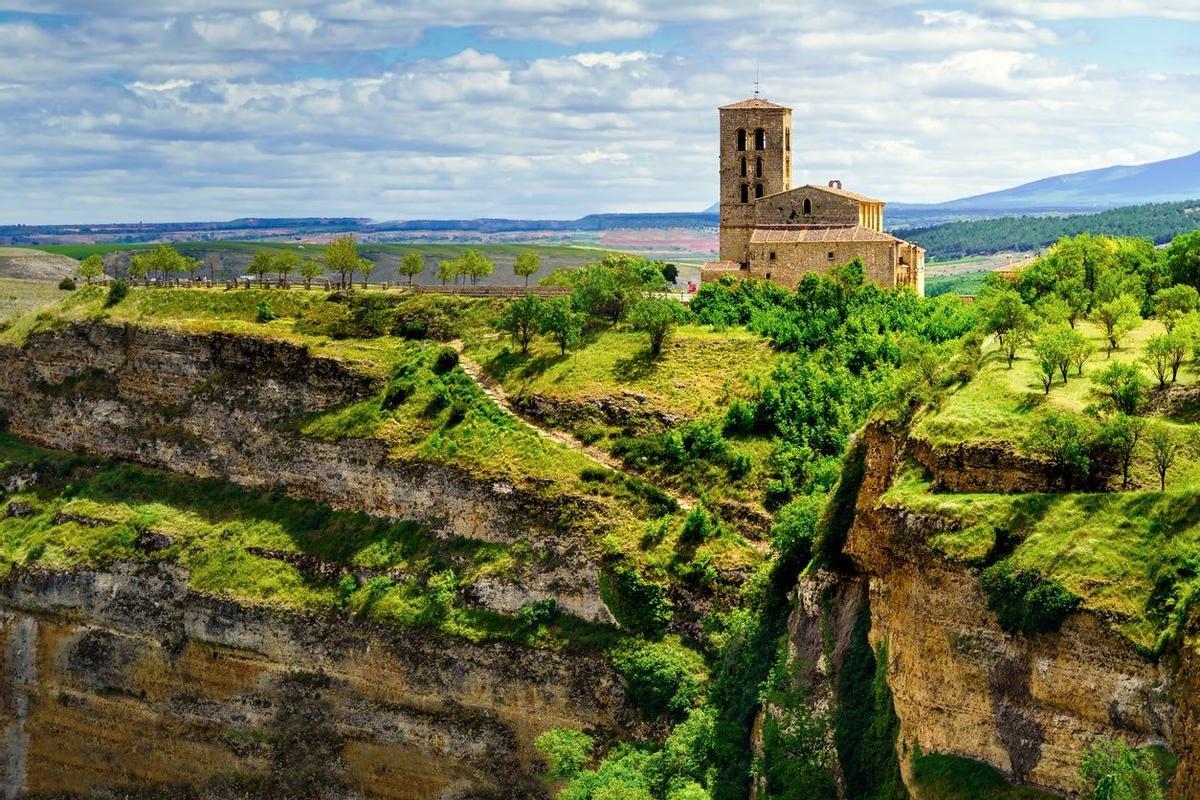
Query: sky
[[119, 111]]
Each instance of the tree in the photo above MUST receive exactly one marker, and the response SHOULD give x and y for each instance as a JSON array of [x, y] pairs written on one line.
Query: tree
[[522, 320], [139, 266], [1164, 447], [1172, 303], [1004, 311], [1117, 317], [1121, 435], [285, 263], [566, 750], [528, 263], [1164, 355], [91, 267], [262, 264], [562, 323], [366, 266], [670, 272], [1054, 310], [1121, 387], [1081, 352], [412, 264], [341, 256], [1182, 259], [310, 269], [1053, 349], [1065, 440], [476, 265], [1077, 298], [1018, 335], [1111, 770], [657, 317], [448, 269], [213, 261], [610, 287]]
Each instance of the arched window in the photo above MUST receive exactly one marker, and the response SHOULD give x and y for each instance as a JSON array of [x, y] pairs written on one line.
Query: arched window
[[741, 139], [760, 139], [758, 190], [758, 167], [745, 193], [807, 206], [743, 167]]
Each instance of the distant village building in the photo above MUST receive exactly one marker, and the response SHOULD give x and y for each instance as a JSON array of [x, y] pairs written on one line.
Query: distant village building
[[770, 230]]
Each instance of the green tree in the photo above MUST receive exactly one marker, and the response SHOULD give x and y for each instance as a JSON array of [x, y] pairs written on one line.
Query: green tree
[[91, 267], [412, 264], [610, 287], [1164, 355], [670, 272], [657, 317], [476, 265], [566, 751], [1111, 770], [262, 265], [1164, 448], [1182, 259], [448, 269], [1081, 352], [1117, 317], [310, 270], [1054, 310], [1053, 349], [1003, 312], [1065, 440], [1120, 434], [1077, 298], [1172, 303], [139, 266], [285, 263], [527, 264], [341, 256], [562, 323], [365, 267], [522, 320], [1121, 387]]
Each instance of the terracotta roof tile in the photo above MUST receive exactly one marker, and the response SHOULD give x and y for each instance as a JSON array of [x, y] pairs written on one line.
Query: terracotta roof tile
[[819, 233], [754, 102]]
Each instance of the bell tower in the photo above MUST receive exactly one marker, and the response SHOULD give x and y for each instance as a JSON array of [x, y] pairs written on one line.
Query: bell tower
[[756, 161]]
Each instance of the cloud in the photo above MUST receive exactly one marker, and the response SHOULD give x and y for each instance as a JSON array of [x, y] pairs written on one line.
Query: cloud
[[185, 109]]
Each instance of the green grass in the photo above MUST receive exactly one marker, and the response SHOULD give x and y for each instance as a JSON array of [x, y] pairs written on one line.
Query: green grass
[[18, 298], [1133, 557], [946, 777], [79, 251], [88, 512]]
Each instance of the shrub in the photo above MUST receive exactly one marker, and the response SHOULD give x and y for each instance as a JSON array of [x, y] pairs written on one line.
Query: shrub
[[264, 313], [1121, 387], [704, 440], [794, 531], [458, 412], [659, 678], [566, 750], [447, 359], [637, 604], [537, 614], [67, 284], [740, 465], [117, 292], [1024, 601], [739, 417], [657, 317], [1111, 770], [697, 526]]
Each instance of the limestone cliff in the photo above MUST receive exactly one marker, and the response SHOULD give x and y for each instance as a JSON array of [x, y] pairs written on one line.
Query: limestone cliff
[[1028, 705]]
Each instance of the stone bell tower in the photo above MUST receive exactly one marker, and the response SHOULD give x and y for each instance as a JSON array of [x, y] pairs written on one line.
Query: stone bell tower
[[756, 161]]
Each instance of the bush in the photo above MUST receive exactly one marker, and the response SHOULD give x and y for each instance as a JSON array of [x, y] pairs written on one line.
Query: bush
[[794, 531], [67, 284], [264, 313], [1024, 601], [117, 292], [697, 526], [659, 679], [637, 604], [535, 615], [704, 440], [739, 418], [566, 750], [1111, 770], [447, 359], [740, 465]]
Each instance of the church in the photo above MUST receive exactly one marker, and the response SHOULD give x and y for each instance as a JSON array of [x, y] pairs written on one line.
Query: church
[[771, 231]]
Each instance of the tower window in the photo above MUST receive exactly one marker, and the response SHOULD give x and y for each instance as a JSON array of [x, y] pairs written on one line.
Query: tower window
[[758, 167], [772, 255], [758, 190], [831, 255], [741, 139], [787, 135], [745, 193], [743, 167], [807, 206], [760, 139]]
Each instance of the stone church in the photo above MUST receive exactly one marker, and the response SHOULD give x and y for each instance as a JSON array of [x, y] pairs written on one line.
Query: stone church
[[770, 230]]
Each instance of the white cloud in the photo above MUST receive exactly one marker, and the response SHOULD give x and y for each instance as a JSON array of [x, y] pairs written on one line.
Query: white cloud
[[610, 60]]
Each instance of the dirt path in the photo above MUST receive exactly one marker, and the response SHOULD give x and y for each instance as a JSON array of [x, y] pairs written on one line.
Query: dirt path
[[505, 402]]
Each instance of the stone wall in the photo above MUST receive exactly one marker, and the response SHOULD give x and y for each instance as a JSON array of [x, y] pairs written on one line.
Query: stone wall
[[793, 260], [828, 208]]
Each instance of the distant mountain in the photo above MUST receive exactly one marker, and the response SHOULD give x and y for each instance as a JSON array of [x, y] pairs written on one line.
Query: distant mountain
[[1111, 187]]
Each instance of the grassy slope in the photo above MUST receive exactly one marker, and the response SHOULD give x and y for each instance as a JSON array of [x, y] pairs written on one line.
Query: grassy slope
[[943, 777], [19, 297], [85, 511], [485, 442]]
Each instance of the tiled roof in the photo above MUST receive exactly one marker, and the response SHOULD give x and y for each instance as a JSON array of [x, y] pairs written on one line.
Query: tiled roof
[[862, 198], [753, 102], [819, 233]]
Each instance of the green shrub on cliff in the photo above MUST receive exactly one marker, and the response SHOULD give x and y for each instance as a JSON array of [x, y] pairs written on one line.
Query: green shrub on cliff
[[1111, 770], [1024, 600], [566, 750], [661, 678]]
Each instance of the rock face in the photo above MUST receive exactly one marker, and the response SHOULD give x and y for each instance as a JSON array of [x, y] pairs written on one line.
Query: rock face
[[125, 678], [216, 405], [1028, 705]]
